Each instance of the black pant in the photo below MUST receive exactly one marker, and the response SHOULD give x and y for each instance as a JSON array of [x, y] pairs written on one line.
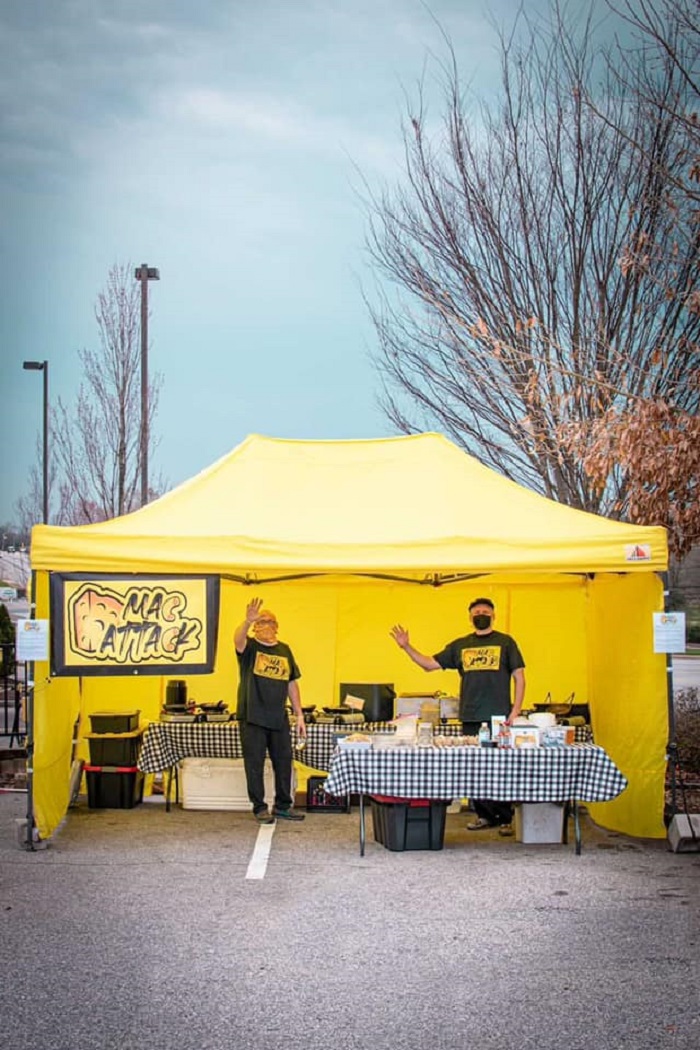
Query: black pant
[[256, 742], [485, 808]]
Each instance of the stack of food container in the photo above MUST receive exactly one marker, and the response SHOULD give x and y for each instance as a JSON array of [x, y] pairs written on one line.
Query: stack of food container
[[113, 778]]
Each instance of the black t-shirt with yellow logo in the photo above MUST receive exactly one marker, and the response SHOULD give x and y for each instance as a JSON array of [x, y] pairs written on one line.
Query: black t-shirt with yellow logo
[[266, 671], [485, 663]]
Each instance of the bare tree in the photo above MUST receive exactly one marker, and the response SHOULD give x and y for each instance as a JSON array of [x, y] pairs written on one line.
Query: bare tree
[[512, 320], [656, 440], [96, 442]]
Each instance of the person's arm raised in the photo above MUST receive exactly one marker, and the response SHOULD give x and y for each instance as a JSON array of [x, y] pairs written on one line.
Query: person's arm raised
[[400, 636], [240, 635]]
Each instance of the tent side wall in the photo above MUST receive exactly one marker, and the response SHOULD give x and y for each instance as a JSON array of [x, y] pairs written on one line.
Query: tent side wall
[[629, 698], [592, 638]]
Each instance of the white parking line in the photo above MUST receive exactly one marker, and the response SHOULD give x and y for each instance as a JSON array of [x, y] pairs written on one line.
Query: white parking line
[[261, 852]]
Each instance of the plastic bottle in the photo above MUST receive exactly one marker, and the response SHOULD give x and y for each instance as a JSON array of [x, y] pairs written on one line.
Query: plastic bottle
[[484, 735]]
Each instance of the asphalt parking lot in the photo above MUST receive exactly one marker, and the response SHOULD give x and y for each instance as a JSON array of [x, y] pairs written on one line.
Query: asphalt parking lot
[[139, 928]]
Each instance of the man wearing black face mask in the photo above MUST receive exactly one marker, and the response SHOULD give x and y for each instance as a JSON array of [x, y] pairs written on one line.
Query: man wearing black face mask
[[486, 660]]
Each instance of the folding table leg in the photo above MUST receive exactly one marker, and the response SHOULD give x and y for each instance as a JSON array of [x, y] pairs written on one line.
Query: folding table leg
[[577, 828], [565, 830], [362, 825], [169, 787]]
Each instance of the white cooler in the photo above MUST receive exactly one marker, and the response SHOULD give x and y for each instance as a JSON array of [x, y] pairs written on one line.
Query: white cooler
[[539, 822], [219, 783]]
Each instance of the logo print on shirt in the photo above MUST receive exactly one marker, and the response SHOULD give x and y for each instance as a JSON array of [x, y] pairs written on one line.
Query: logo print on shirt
[[485, 658], [268, 665]]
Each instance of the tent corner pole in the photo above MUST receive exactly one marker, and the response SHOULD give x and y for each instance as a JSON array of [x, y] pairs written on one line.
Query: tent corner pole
[[672, 745], [29, 745]]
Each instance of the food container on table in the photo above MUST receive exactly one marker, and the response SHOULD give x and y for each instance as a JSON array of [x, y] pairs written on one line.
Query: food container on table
[[384, 741], [543, 719], [524, 736], [558, 736], [424, 736]]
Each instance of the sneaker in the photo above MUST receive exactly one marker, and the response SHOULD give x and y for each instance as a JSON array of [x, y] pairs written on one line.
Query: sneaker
[[288, 814], [264, 816], [477, 825], [506, 830]]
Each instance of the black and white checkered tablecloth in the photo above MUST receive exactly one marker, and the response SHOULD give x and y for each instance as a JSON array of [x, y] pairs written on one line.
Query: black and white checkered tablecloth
[[167, 743], [581, 772]]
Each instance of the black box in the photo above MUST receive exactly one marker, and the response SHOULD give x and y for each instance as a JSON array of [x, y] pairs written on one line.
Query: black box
[[114, 721], [378, 699], [114, 749], [113, 787], [409, 824], [317, 801]]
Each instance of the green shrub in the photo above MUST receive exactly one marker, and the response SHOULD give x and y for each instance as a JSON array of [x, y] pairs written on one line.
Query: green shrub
[[687, 715], [7, 634], [692, 624]]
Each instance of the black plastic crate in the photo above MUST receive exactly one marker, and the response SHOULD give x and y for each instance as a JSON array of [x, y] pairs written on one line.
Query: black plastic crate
[[114, 749], [318, 801], [409, 823], [114, 721], [113, 787]]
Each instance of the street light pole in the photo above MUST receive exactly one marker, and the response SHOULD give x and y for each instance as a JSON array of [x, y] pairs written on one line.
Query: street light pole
[[43, 366], [144, 274]]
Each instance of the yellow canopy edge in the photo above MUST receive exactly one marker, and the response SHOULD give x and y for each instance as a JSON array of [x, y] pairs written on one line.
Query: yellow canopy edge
[[408, 505]]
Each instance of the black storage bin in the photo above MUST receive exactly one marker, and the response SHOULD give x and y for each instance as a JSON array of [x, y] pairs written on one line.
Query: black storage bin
[[114, 721], [317, 801], [114, 749], [113, 787], [409, 823], [378, 699]]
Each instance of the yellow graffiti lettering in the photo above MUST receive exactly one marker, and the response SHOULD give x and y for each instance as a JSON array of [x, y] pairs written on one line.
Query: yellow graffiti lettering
[[483, 658], [268, 665]]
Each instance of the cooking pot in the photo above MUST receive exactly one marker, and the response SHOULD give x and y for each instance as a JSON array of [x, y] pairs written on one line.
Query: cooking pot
[[573, 710]]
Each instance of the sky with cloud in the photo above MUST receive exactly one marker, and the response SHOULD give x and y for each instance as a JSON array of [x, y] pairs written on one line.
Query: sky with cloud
[[226, 143]]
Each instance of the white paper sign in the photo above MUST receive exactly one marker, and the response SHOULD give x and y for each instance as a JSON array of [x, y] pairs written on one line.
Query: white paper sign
[[669, 632], [355, 703], [32, 640]]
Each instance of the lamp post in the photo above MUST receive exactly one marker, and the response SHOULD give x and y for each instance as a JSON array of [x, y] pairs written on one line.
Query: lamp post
[[43, 366], [144, 274]]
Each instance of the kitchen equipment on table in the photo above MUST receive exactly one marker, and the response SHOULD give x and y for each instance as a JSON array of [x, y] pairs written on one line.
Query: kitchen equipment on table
[[340, 716], [176, 693], [308, 711], [377, 697], [218, 712], [567, 709]]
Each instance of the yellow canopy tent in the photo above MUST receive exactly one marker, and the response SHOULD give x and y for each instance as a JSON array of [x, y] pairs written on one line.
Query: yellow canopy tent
[[346, 538]]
